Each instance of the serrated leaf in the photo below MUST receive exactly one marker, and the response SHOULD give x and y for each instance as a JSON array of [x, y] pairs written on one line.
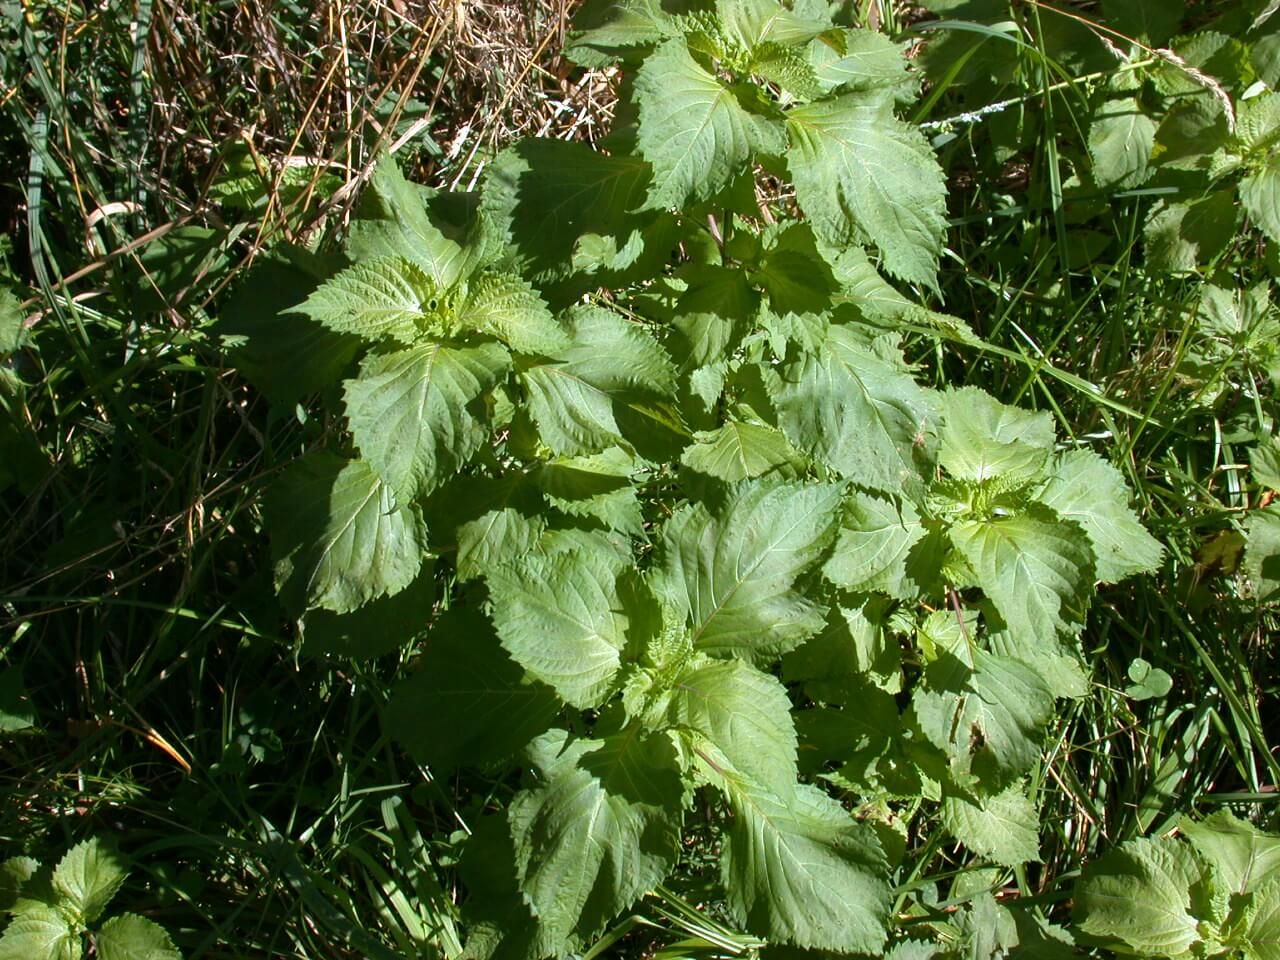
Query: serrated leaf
[[1037, 570], [468, 703], [87, 877], [572, 400], [1244, 857], [545, 195], [795, 275], [561, 619], [1183, 236], [982, 438], [856, 411], [862, 175], [1004, 828], [418, 415], [40, 933], [609, 25], [131, 937], [869, 61], [1264, 461], [599, 487], [787, 67], [599, 831], [1140, 894], [1262, 553], [743, 713], [1263, 934], [508, 308], [798, 869], [374, 299], [695, 131], [12, 332], [1260, 197], [732, 573], [988, 719], [713, 313], [1121, 139], [14, 872], [392, 221], [1084, 488], [338, 536], [882, 546], [741, 451]]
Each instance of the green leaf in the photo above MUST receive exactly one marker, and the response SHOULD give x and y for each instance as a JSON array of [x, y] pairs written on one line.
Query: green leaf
[[572, 400], [560, 618], [1004, 828], [1037, 570], [1262, 552], [508, 308], [884, 545], [867, 61], [12, 333], [861, 175], [1264, 461], [1140, 895], [599, 831], [1148, 682], [695, 131], [610, 25], [388, 297], [88, 877], [741, 451], [14, 872], [732, 573], [1260, 197], [857, 411], [468, 704], [40, 933], [392, 221], [1244, 858], [1263, 934], [982, 438], [989, 719], [1121, 139], [599, 487], [1153, 20], [130, 937], [795, 275], [1182, 237], [544, 196], [338, 536], [713, 313], [1086, 489], [799, 870], [419, 415], [743, 713]]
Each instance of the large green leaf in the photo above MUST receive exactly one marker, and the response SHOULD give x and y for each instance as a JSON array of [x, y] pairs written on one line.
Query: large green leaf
[[1086, 489], [988, 719], [1262, 552], [697, 132], [338, 535], [862, 60], [1260, 197], [1037, 570], [732, 573], [560, 618], [469, 703], [982, 438], [743, 713], [572, 400], [1121, 139], [1140, 895], [418, 415], [862, 175], [392, 221], [131, 937], [858, 411], [713, 313], [40, 933], [87, 877], [599, 487], [884, 544], [388, 297], [1243, 857], [1004, 828], [508, 308], [741, 451], [1263, 933], [798, 869], [601, 828]]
